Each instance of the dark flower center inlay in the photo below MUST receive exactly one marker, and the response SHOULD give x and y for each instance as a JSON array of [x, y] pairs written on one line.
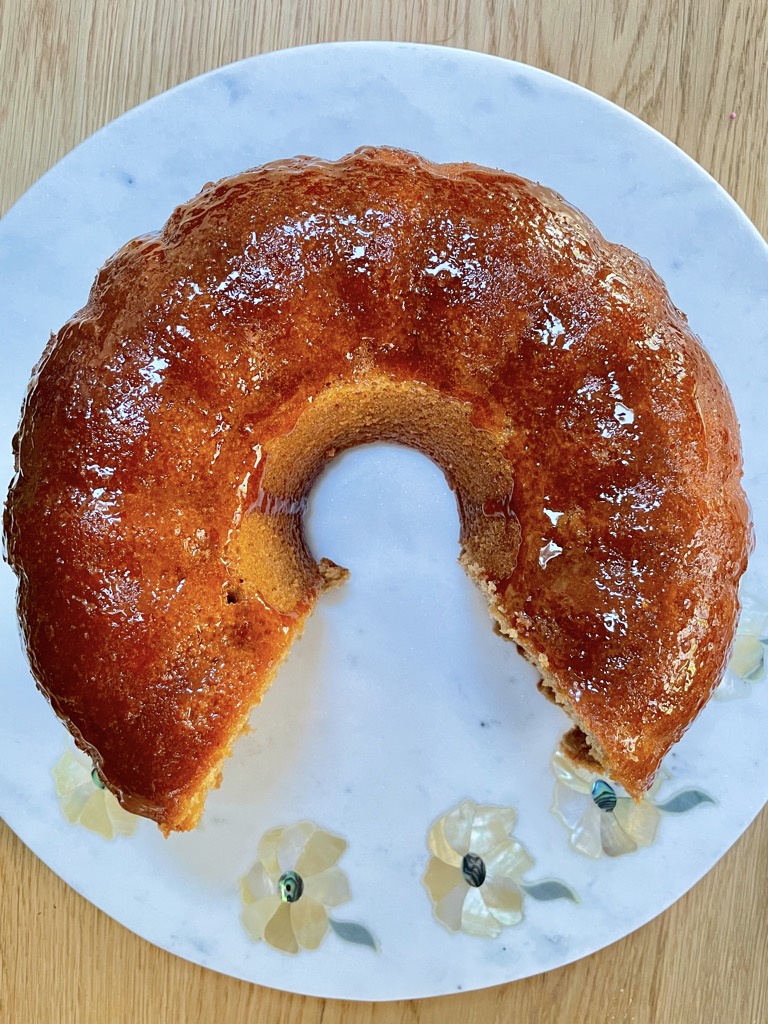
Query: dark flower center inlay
[[603, 795], [473, 869], [291, 886]]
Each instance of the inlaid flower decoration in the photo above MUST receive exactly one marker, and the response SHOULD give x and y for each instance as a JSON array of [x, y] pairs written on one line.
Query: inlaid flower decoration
[[747, 664], [602, 819], [475, 876], [85, 800], [295, 882]]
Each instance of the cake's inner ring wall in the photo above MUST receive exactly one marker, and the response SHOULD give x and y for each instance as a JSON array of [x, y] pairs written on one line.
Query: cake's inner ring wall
[[269, 545]]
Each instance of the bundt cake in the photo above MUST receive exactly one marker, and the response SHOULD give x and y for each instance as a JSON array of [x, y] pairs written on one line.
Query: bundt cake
[[174, 426]]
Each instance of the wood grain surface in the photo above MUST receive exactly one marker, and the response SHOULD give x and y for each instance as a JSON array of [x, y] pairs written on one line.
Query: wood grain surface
[[67, 67]]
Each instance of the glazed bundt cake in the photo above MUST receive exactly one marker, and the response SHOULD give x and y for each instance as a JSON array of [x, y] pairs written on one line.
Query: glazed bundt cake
[[174, 427]]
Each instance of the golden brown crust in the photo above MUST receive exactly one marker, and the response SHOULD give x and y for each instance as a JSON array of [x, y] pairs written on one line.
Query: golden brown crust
[[174, 426]]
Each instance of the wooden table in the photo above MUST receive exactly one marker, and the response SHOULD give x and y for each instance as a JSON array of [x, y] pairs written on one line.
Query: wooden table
[[67, 67]]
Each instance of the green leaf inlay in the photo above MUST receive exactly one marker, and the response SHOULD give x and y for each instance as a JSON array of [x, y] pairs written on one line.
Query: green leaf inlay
[[349, 931], [550, 889], [686, 801]]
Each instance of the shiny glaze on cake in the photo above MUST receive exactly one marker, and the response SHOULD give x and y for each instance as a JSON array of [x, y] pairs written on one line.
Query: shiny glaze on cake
[[174, 426]]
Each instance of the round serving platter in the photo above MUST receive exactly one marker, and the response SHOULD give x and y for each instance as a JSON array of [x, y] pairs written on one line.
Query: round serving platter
[[399, 715]]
